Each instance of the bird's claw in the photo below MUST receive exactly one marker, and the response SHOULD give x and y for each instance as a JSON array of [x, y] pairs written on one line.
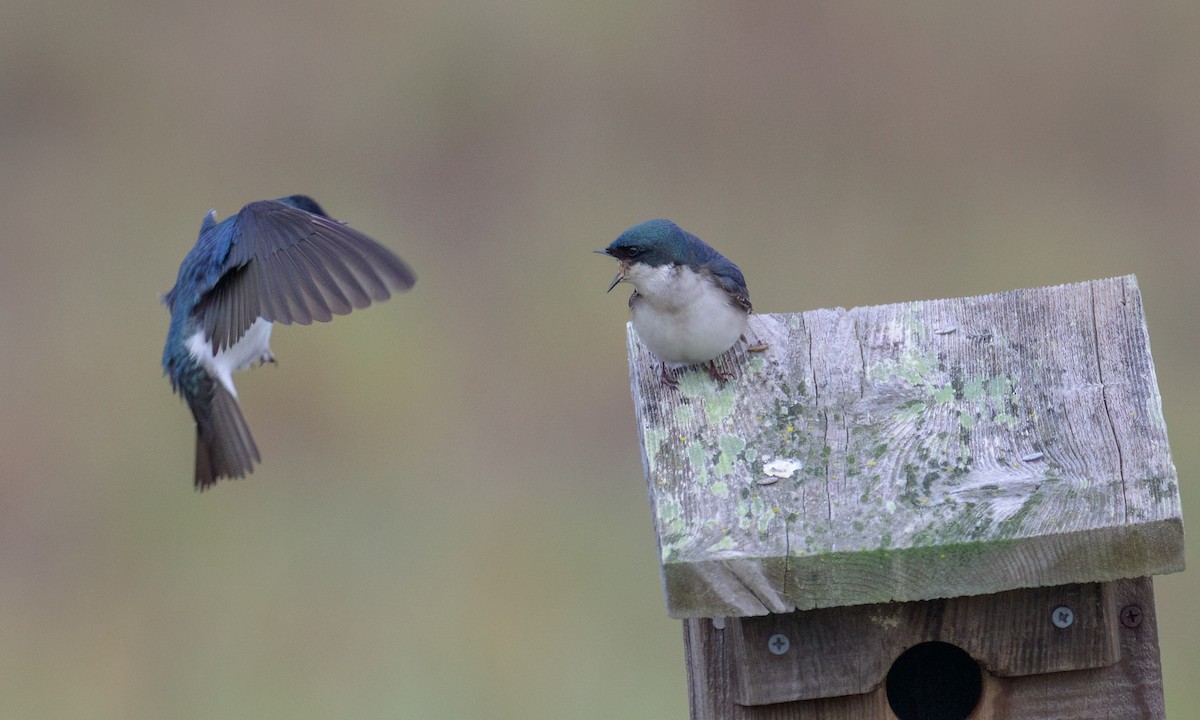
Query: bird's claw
[[667, 377], [716, 373]]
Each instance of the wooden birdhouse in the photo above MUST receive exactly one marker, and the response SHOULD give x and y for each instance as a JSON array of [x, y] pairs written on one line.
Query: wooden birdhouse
[[942, 509]]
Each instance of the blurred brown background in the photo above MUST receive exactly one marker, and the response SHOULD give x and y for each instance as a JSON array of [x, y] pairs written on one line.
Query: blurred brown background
[[450, 520]]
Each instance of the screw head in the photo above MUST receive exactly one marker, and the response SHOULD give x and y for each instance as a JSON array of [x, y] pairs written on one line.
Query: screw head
[[1131, 616], [778, 644], [1062, 617]]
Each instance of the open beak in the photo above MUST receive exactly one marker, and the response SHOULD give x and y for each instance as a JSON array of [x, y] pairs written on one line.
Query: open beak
[[620, 274]]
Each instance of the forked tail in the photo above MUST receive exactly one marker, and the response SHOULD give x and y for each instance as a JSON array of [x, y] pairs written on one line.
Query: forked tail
[[224, 446]]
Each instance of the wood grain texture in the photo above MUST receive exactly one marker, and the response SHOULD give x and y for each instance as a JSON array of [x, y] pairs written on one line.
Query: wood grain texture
[[848, 651], [1122, 681], [942, 448]]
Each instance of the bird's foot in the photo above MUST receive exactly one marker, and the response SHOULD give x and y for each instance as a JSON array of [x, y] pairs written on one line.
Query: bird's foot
[[716, 373], [666, 376], [266, 357]]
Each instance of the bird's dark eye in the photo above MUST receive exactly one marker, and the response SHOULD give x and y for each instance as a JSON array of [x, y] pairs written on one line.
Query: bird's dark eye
[[633, 252]]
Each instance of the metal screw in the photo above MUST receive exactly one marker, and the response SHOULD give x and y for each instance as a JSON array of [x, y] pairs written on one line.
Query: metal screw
[[778, 644], [1062, 617], [1131, 616]]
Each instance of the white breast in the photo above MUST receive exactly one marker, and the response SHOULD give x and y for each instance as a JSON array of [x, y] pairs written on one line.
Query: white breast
[[253, 347], [682, 316]]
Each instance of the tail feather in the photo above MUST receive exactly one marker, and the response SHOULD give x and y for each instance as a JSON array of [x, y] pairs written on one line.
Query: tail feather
[[224, 446]]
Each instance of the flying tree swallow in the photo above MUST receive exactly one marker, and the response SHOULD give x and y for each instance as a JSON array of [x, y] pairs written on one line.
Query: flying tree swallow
[[276, 261], [690, 303]]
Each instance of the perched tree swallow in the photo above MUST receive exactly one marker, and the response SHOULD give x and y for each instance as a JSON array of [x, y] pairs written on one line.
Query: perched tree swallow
[[276, 261], [690, 303]]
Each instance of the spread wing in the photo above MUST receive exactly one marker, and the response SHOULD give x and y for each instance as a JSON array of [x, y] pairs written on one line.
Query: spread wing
[[288, 265]]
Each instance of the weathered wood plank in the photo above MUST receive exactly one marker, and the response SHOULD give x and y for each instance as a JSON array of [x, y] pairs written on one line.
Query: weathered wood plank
[[848, 651], [937, 449], [1123, 680]]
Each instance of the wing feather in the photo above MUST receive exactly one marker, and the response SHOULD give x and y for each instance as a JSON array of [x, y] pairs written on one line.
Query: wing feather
[[288, 265]]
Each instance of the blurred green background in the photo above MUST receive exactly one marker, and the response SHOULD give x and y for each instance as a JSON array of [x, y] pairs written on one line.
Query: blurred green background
[[450, 520]]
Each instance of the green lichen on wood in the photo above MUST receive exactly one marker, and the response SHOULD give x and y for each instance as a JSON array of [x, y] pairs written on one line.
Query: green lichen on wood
[[731, 450], [866, 444]]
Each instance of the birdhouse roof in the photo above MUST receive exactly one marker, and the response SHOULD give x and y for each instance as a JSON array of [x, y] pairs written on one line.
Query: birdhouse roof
[[912, 451]]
